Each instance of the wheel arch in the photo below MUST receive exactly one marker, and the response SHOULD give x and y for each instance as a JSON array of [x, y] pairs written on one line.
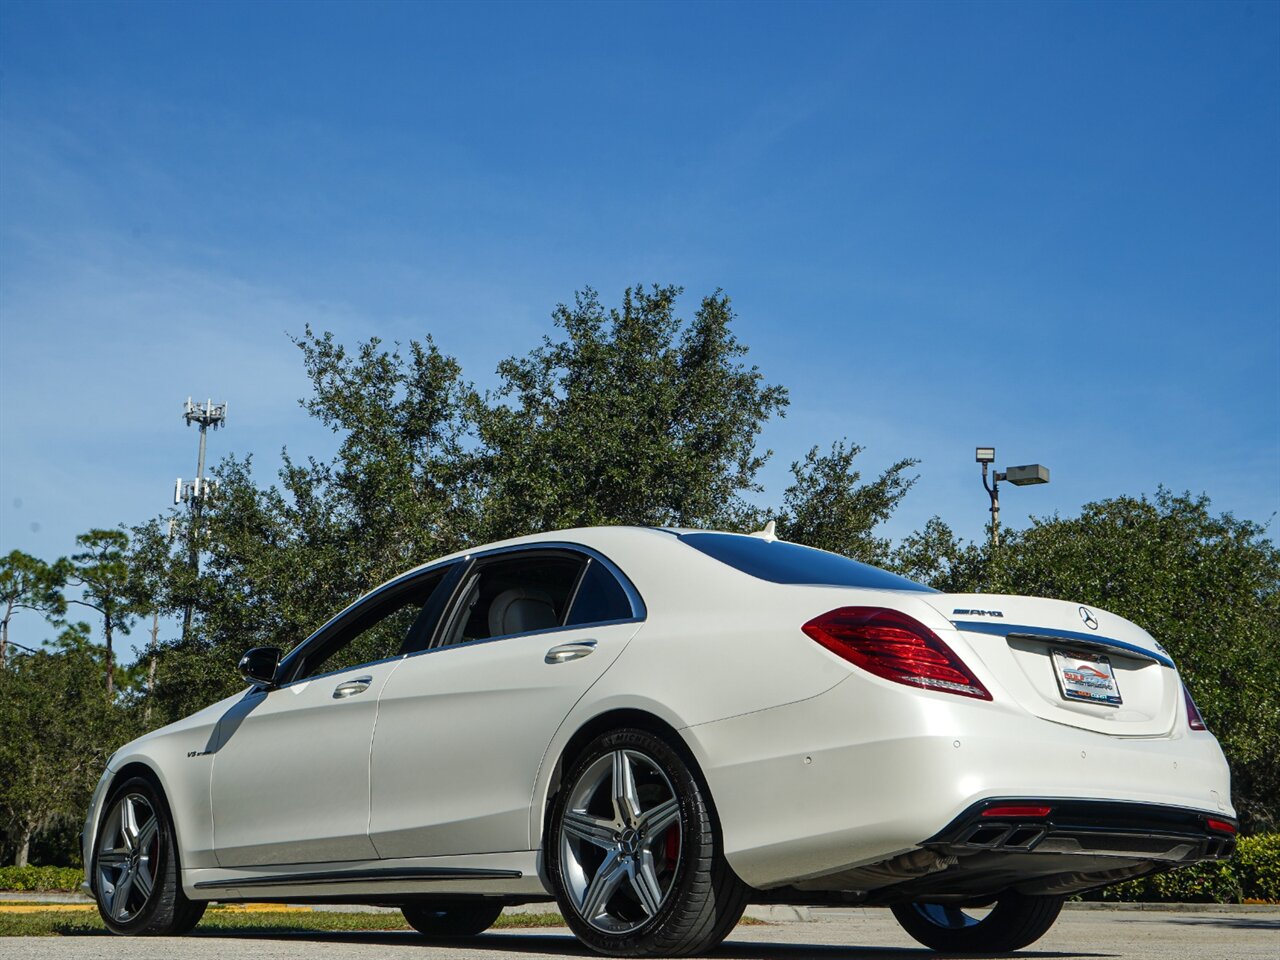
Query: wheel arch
[[138, 767], [614, 719]]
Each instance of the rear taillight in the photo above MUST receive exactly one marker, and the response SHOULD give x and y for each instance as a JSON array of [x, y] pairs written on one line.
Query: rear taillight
[[892, 645], [1011, 810], [1219, 826], [1194, 720]]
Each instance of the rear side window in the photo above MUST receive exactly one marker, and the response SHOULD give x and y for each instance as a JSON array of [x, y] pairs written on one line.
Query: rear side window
[[782, 562], [600, 598], [513, 595]]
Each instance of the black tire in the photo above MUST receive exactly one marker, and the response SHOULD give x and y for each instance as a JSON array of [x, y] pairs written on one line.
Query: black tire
[[443, 920], [119, 868], [1015, 921], [701, 897]]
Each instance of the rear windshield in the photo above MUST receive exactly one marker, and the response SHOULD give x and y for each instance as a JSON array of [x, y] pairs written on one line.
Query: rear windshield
[[782, 562]]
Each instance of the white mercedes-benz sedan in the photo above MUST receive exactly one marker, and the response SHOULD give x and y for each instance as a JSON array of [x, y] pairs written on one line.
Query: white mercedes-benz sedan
[[656, 726]]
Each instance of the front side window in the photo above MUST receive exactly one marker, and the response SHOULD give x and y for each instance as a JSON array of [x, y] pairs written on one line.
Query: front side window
[[386, 625]]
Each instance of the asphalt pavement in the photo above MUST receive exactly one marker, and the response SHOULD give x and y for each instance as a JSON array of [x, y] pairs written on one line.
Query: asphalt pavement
[[1240, 933]]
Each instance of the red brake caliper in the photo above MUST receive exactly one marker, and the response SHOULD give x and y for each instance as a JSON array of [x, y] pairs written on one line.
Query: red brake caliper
[[672, 844]]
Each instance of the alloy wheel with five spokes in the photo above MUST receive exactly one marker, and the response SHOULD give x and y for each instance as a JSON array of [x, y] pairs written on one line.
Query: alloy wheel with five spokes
[[620, 841], [129, 857], [633, 852], [134, 871]]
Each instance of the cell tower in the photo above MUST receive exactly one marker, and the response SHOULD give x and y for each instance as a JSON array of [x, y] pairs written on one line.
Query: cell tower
[[195, 491], [210, 415]]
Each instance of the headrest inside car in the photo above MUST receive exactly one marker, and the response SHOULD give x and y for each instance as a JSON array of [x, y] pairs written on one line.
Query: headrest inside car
[[520, 610]]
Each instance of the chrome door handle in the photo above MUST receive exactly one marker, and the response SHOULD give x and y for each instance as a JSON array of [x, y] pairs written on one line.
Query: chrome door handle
[[569, 651], [351, 687]]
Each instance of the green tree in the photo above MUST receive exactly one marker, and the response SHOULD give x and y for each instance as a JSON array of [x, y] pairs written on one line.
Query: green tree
[[1205, 585], [829, 507], [634, 417], [277, 560], [56, 733], [402, 485], [101, 570], [28, 583], [936, 556]]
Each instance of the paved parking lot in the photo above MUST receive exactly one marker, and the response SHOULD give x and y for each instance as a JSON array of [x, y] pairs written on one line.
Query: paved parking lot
[[1234, 934]]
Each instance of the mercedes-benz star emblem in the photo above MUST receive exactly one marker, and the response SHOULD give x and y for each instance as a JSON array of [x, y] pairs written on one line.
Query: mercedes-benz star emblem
[[1089, 619]]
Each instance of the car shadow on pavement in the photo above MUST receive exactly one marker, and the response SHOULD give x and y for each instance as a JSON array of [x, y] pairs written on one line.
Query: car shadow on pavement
[[830, 951], [1232, 923], [555, 944]]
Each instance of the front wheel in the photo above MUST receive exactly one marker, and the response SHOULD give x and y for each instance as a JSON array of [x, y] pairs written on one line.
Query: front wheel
[[135, 865], [1015, 921], [633, 852], [451, 919]]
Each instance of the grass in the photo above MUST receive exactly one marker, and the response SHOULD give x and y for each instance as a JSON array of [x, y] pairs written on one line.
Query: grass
[[231, 919], [68, 923]]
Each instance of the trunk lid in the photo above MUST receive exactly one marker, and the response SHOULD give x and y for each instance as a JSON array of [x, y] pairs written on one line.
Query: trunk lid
[[1054, 658]]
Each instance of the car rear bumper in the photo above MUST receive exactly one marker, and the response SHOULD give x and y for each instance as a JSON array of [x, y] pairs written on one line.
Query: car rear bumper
[[1089, 828], [1077, 845], [866, 773]]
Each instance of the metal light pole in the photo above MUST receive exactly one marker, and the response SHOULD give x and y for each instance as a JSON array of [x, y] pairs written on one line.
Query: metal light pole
[[1026, 475], [194, 491]]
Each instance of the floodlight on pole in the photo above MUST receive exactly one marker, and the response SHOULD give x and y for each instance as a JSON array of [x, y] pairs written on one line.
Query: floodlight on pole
[[1027, 475]]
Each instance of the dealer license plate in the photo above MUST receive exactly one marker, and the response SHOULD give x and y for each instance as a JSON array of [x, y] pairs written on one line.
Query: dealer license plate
[[1086, 677]]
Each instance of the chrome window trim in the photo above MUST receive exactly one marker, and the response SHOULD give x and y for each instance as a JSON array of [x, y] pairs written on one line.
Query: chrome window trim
[[545, 631], [577, 587], [639, 612], [582, 552], [329, 673], [288, 660], [638, 609]]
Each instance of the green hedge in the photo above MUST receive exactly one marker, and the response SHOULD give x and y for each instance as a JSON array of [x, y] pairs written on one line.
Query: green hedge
[[41, 879], [1252, 874]]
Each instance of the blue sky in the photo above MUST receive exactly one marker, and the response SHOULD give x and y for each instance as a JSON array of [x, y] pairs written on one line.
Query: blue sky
[[1050, 227]]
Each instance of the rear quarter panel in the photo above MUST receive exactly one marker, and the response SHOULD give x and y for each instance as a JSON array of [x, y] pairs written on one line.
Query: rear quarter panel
[[716, 644]]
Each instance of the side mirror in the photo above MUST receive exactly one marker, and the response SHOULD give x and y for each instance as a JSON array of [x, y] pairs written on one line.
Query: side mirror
[[260, 664]]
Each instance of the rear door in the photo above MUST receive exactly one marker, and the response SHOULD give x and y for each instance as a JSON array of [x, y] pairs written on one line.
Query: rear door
[[463, 727]]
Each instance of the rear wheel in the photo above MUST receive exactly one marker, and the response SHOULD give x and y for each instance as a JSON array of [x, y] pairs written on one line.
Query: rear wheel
[[135, 865], [633, 854], [451, 919], [1015, 921]]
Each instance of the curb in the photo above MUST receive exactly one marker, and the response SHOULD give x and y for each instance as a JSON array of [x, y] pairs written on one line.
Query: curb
[[1174, 907]]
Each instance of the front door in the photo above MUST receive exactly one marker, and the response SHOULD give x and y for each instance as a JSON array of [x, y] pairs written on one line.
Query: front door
[[290, 779]]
